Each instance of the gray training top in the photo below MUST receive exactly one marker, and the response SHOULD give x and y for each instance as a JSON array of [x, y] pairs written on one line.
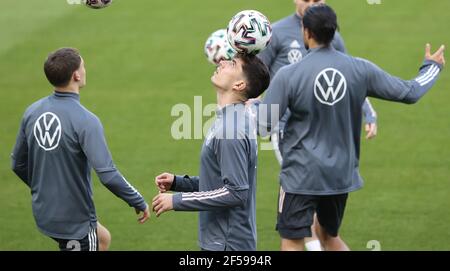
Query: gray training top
[[227, 183], [58, 142], [287, 47], [325, 92]]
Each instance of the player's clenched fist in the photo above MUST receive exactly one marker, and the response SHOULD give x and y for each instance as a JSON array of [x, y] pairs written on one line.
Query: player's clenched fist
[[164, 181]]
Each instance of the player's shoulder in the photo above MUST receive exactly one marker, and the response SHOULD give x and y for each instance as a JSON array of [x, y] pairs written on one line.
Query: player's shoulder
[[362, 62], [289, 69], [86, 118], [29, 111], [338, 36], [280, 28], [285, 22]]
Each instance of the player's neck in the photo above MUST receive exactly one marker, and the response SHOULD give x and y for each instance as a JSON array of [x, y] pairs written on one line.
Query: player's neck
[[313, 44], [71, 88], [225, 98]]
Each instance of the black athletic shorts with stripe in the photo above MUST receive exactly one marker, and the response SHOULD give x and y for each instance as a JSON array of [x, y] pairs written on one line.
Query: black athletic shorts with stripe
[[296, 214], [88, 243]]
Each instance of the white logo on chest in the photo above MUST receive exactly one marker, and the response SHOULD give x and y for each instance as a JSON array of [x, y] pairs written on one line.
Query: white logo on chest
[[295, 55]]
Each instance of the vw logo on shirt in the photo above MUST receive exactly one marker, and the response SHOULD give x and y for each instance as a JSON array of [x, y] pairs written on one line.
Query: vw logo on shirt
[[330, 86], [295, 55], [47, 131]]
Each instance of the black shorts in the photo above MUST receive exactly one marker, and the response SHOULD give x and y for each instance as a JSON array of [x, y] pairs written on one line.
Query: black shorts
[[88, 243], [296, 214]]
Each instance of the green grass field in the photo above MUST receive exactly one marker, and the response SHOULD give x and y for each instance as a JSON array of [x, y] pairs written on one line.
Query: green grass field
[[143, 57]]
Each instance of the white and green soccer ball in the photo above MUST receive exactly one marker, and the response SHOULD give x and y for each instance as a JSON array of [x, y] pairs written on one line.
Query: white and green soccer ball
[[97, 4], [249, 32], [217, 47]]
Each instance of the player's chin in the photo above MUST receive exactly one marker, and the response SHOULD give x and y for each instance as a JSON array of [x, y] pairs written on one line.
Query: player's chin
[[214, 78]]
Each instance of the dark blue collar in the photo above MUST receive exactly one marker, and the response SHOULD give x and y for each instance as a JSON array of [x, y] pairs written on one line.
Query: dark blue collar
[[66, 95]]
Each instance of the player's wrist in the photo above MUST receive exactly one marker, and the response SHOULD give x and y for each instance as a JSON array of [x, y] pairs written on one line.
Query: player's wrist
[[142, 206], [429, 61]]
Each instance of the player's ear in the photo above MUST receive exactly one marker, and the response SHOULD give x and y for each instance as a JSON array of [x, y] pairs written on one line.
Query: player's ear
[[76, 76], [306, 33], [240, 86]]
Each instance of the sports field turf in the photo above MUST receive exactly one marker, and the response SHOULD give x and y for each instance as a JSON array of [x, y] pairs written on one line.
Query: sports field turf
[[143, 57]]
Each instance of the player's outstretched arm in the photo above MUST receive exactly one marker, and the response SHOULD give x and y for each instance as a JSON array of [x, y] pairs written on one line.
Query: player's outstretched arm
[[385, 86]]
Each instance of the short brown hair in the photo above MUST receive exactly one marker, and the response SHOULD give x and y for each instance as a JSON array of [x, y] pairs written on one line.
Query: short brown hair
[[60, 65], [257, 74]]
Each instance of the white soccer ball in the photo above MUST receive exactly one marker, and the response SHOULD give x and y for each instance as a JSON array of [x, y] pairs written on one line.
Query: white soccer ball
[[249, 32], [218, 48], [98, 3]]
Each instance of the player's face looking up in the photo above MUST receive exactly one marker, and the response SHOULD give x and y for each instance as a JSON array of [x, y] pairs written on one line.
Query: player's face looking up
[[302, 5], [229, 75]]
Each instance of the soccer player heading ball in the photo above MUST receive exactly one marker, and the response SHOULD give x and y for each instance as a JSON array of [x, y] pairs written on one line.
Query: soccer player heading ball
[[249, 32]]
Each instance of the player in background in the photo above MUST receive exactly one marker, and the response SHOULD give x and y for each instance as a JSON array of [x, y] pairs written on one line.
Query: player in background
[[58, 143], [287, 47], [322, 137], [225, 190]]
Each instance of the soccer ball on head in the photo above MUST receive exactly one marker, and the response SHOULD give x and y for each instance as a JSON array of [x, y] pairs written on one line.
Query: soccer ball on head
[[249, 32], [98, 3], [218, 48]]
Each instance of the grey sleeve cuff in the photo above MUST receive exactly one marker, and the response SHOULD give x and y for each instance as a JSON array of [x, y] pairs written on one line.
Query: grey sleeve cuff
[[427, 62], [176, 200]]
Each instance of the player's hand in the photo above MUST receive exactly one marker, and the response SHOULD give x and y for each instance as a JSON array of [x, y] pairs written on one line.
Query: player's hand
[[371, 130], [164, 181], [162, 203], [145, 216], [438, 56]]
